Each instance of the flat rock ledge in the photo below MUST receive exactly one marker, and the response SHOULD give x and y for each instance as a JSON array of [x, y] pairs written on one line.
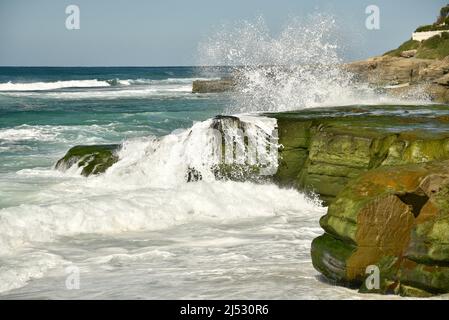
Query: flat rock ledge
[[213, 86]]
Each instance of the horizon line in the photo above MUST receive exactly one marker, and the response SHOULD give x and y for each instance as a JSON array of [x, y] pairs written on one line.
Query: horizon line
[[111, 66]]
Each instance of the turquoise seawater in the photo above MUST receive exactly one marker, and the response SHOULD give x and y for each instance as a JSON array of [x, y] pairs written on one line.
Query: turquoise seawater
[[45, 111], [139, 230]]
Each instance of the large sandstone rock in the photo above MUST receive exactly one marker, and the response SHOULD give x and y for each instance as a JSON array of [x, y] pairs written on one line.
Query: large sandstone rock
[[409, 53], [388, 70], [405, 76], [396, 218]]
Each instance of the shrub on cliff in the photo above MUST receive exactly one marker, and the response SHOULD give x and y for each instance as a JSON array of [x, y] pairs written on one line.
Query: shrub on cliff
[[442, 22], [444, 12], [432, 27], [436, 47], [408, 45]]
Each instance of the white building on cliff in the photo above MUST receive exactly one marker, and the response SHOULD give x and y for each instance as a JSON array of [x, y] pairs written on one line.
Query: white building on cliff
[[424, 35]]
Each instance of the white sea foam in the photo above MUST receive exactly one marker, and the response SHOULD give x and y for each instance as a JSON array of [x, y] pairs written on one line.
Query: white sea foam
[[64, 134], [168, 81], [157, 164], [141, 91], [26, 132], [94, 208], [145, 190], [38, 86], [17, 270], [97, 89]]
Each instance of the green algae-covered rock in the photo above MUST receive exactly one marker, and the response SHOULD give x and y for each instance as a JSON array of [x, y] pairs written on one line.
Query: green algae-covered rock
[[294, 139], [94, 159], [329, 257], [395, 218], [322, 149]]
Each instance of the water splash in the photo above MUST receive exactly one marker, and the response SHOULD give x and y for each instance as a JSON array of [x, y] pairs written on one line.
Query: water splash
[[299, 68], [225, 147]]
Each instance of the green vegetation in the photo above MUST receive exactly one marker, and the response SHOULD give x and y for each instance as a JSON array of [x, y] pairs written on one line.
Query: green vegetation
[[408, 45], [432, 27], [436, 47], [442, 22], [444, 15]]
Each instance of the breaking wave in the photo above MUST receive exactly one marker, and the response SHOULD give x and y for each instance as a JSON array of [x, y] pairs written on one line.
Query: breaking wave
[[147, 189], [92, 83], [40, 86]]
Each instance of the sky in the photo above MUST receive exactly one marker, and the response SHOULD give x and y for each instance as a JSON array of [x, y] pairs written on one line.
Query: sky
[[167, 32]]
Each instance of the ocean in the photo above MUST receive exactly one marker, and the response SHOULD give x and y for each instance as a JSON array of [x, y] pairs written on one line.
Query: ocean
[[140, 231]]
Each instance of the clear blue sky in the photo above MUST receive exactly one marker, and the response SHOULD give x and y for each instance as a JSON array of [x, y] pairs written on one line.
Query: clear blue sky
[[167, 32]]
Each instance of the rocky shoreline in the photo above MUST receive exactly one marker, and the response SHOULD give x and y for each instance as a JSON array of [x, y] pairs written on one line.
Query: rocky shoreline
[[383, 171], [401, 76], [404, 76]]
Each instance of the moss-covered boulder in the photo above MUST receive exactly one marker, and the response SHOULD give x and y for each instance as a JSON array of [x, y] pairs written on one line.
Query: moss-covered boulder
[[93, 159], [395, 218]]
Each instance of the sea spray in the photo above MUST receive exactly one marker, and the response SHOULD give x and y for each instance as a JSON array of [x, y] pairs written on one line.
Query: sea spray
[[299, 68], [225, 147]]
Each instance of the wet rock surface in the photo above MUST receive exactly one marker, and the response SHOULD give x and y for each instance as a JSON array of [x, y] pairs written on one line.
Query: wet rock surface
[[383, 171], [395, 218], [322, 149], [93, 159]]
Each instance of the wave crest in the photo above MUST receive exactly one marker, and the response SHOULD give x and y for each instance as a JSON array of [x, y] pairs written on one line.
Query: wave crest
[[40, 86]]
